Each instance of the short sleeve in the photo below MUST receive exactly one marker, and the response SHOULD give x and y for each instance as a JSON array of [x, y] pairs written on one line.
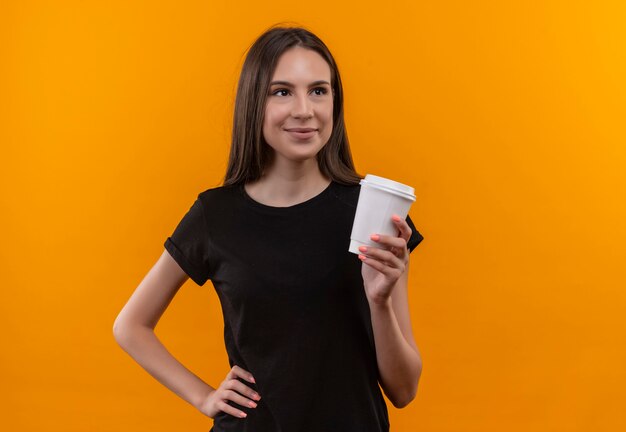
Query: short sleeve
[[188, 244], [415, 238]]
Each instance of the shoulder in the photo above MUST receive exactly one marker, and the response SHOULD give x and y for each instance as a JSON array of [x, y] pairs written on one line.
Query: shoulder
[[347, 193], [217, 192], [219, 201]]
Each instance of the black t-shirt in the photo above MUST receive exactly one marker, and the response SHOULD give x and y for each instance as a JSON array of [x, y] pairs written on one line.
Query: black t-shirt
[[295, 311]]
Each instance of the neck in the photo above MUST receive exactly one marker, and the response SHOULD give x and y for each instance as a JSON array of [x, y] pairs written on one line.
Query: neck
[[289, 185]]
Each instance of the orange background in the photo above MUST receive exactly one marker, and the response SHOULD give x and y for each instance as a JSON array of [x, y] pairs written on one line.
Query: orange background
[[506, 117]]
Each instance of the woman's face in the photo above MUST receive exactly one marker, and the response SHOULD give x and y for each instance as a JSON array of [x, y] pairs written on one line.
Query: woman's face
[[299, 109]]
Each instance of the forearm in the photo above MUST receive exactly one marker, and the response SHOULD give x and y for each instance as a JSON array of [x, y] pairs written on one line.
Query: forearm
[[146, 349], [399, 364]]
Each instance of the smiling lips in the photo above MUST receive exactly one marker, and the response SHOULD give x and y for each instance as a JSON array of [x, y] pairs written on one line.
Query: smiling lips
[[301, 133]]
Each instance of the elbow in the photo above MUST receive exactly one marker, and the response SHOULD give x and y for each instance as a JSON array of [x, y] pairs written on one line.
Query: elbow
[[118, 332], [403, 400], [121, 332], [128, 334], [408, 394]]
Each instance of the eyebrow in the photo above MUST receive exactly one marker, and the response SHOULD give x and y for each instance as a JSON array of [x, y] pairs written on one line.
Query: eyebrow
[[288, 84]]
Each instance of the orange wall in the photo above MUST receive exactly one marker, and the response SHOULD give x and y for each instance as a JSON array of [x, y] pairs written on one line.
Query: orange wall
[[506, 117]]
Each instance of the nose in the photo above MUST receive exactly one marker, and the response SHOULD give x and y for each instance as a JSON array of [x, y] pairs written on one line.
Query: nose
[[302, 107]]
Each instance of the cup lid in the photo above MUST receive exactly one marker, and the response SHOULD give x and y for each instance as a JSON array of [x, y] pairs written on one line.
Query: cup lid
[[389, 184]]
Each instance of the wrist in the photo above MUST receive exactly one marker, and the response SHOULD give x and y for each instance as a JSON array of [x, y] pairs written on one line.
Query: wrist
[[199, 398], [381, 304]]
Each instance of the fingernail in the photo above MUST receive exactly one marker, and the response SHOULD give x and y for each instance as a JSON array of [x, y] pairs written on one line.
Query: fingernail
[[396, 218], [362, 248], [243, 414], [375, 237], [252, 404], [252, 379], [256, 396]]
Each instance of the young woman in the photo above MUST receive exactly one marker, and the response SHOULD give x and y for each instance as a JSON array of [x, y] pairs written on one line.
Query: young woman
[[310, 329]]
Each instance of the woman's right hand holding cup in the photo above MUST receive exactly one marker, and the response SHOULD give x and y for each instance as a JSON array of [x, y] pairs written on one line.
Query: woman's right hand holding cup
[[231, 389]]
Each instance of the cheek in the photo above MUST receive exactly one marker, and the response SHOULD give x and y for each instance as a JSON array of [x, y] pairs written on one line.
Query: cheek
[[329, 111], [328, 129], [275, 116], [328, 117], [270, 120], [267, 127]]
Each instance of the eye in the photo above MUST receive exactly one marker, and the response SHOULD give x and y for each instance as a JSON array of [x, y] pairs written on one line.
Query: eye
[[280, 91], [321, 90]]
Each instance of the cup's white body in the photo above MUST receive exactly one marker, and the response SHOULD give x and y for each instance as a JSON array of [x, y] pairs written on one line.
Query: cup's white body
[[379, 199]]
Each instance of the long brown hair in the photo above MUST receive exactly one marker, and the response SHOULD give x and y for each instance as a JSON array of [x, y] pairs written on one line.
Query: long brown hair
[[249, 153]]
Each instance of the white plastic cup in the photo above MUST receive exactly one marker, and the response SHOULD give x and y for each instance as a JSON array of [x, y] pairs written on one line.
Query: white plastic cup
[[379, 199]]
